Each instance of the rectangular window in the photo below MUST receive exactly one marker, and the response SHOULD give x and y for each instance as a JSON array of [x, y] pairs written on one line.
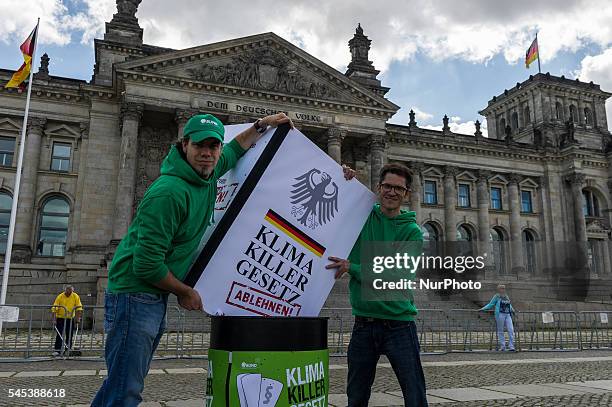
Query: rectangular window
[[60, 160], [526, 204], [431, 192], [7, 150], [496, 198], [464, 195]]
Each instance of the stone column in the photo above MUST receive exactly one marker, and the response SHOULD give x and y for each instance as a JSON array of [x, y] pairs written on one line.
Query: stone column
[[545, 105], [377, 158], [566, 109], [450, 203], [577, 181], [360, 155], [416, 190], [516, 238], [605, 245], [180, 117], [25, 219], [492, 128], [580, 109], [334, 143], [126, 180], [482, 196], [81, 180]]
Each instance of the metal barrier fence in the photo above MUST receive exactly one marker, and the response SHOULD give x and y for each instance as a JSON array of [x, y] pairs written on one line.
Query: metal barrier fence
[[595, 329], [470, 330], [440, 331], [550, 330]]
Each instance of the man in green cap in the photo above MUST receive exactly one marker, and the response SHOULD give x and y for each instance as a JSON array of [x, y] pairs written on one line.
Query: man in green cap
[[154, 256]]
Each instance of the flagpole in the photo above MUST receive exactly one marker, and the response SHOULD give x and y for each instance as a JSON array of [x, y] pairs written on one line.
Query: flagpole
[[539, 55], [9, 243]]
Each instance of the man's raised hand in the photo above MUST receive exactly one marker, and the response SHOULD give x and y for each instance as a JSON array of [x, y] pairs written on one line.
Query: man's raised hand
[[342, 266], [349, 173]]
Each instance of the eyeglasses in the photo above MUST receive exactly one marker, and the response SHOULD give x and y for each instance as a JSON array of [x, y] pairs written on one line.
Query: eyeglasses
[[395, 188]]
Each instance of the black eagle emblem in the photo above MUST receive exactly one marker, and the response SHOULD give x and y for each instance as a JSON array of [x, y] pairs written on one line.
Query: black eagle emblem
[[314, 204]]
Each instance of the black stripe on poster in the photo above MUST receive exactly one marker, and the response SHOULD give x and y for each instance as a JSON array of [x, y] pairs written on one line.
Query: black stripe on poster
[[237, 204]]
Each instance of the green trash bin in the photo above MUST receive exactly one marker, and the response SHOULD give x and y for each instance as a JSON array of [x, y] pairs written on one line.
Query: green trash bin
[[267, 362]]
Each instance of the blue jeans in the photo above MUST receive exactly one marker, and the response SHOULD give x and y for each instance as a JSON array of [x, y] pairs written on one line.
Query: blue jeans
[[134, 324], [505, 319], [399, 342]]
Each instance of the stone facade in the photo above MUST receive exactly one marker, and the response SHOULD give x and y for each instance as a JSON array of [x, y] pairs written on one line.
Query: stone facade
[[543, 176]]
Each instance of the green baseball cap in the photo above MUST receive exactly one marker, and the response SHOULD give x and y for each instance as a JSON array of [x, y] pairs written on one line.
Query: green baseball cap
[[203, 126]]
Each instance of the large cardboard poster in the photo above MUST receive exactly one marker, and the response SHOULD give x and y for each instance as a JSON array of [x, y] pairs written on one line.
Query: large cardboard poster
[[267, 253]]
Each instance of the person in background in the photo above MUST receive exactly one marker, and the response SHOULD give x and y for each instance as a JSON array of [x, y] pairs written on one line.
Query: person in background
[[67, 311], [503, 317]]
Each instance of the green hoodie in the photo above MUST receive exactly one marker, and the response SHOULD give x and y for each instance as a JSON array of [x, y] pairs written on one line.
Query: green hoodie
[[169, 223], [378, 228]]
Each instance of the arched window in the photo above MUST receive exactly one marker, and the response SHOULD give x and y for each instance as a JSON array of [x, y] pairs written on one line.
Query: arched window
[[498, 250], [558, 111], [590, 203], [464, 234], [573, 113], [431, 237], [515, 123], [465, 238], [529, 250], [502, 128], [588, 116], [526, 116], [53, 232], [6, 203]]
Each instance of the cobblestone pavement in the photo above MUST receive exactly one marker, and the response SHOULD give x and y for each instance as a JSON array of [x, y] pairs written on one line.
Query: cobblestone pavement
[[511, 379]]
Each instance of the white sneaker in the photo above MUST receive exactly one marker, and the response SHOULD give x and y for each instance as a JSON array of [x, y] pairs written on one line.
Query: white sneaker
[[55, 354]]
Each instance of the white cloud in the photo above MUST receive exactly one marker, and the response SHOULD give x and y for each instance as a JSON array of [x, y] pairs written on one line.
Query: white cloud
[[398, 29], [421, 116], [598, 68], [456, 126], [57, 25]]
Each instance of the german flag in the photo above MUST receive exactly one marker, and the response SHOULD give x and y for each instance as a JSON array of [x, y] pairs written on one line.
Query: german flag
[[532, 53], [297, 235], [27, 49]]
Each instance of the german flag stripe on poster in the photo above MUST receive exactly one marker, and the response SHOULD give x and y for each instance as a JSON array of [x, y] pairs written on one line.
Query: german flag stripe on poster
[[297, 235], [532, 53], [27, 49]]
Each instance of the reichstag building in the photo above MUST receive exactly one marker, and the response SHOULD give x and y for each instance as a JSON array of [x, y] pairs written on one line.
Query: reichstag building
[[542, 176]]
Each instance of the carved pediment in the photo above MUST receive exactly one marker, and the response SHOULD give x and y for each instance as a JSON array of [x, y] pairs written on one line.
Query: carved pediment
[[62, 131], [262, 62], [8, 126], [266, 70], [595, 225]]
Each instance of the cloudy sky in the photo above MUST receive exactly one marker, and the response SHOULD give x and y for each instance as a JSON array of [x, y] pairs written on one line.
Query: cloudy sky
[[438, 57]]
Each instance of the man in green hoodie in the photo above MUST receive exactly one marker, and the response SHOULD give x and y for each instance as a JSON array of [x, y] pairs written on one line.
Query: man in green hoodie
[[154, 256], [384, 327]]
